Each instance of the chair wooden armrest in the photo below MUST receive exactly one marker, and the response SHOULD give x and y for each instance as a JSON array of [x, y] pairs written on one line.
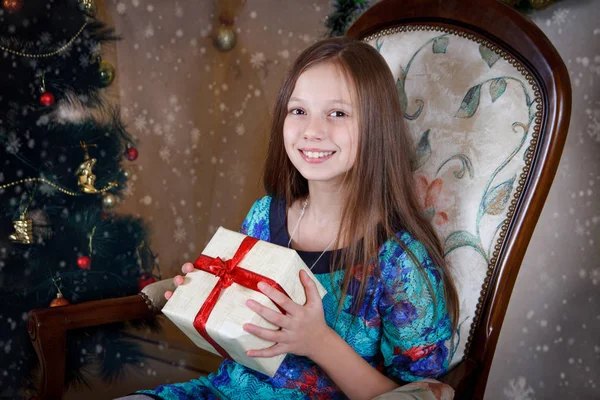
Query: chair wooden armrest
[[462, 378], [48, 328]]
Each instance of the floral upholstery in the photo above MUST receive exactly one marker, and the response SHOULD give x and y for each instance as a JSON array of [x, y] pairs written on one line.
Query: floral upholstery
[[472, 110]]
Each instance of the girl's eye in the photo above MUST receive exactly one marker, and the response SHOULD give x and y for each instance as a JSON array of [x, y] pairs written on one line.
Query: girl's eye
[[338, 114], [297, 111]]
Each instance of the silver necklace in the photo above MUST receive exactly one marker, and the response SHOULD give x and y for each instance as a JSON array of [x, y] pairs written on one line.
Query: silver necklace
[[296, 228]]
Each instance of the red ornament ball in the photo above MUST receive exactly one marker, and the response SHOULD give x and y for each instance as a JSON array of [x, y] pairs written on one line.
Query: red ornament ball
[[131, 154], [12, 6], [47, 99], [84, 262], [59, 301], [145, 280]]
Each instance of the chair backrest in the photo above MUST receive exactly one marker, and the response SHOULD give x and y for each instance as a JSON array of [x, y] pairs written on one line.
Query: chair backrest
[[487, 99]]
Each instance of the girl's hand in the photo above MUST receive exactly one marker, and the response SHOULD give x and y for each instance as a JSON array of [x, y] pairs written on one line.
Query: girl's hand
[[303, 328], [178, 279]]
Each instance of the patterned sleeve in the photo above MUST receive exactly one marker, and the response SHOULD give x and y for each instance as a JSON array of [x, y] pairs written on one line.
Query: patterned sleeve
[[416, 329], [256, 223]]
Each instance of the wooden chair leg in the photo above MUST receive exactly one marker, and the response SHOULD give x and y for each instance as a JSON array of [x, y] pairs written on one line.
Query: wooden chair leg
[[49, 344]]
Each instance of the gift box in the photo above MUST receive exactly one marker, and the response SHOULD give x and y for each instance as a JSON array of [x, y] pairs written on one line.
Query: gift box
[[210, 307]]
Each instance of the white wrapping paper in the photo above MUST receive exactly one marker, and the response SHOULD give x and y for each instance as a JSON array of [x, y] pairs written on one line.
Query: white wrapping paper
[[226, 321]]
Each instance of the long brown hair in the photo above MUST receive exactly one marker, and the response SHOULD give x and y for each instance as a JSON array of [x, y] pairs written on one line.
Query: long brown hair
[[383, 199]]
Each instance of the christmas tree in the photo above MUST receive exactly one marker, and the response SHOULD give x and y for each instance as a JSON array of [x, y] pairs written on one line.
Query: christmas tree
[[346, 12], [63, 167]]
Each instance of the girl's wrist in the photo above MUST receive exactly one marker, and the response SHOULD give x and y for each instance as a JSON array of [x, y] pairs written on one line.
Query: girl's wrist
[[322, 344]]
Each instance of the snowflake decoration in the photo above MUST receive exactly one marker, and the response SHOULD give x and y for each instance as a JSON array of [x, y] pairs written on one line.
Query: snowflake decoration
[[84, 61], [121, 8], [47, 190], [258, 60], [66, 51], [45, 38], [95, 48], [129, 189], [149, 31], [140, 123], [560, 16], [180, 234], [285, 54], [178, 10], [240, 129], [237, 173], [165, 154], [593, 128], [519, 390], [14, 143], [33, 63], [579, 228]]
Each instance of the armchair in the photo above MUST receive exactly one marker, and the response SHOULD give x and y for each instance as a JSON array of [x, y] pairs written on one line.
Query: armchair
[[488, 100]]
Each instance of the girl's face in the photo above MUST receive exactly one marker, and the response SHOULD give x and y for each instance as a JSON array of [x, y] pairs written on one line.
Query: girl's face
[[320, 130]]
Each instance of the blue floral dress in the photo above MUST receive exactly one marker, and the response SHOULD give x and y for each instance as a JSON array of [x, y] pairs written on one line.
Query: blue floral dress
[[400, 330]]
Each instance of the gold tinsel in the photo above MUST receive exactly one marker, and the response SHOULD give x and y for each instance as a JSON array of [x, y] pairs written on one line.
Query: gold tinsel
[[539, 4]]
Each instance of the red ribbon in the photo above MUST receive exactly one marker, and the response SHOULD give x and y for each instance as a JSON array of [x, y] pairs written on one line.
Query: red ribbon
[[228, 272]]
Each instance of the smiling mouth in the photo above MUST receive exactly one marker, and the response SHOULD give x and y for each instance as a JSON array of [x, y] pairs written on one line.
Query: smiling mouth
[[315, 155]]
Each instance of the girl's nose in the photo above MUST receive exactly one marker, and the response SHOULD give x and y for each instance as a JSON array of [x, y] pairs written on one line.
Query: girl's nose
[[315, 130]]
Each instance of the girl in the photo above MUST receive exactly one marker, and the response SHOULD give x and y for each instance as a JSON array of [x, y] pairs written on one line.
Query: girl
[[340, 192]]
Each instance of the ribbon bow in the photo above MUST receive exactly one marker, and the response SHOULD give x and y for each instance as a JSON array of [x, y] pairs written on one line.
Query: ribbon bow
[[228, 273]]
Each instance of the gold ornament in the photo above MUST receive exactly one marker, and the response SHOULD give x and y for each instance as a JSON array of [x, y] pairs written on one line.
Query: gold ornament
[[540, 4], [107, 73], [87, 179], [23, 230], [225, 38], [89, 7], [59, 301], [109, 200]]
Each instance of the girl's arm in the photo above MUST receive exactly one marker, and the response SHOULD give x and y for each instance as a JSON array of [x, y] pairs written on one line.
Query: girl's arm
[[351, 373]]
